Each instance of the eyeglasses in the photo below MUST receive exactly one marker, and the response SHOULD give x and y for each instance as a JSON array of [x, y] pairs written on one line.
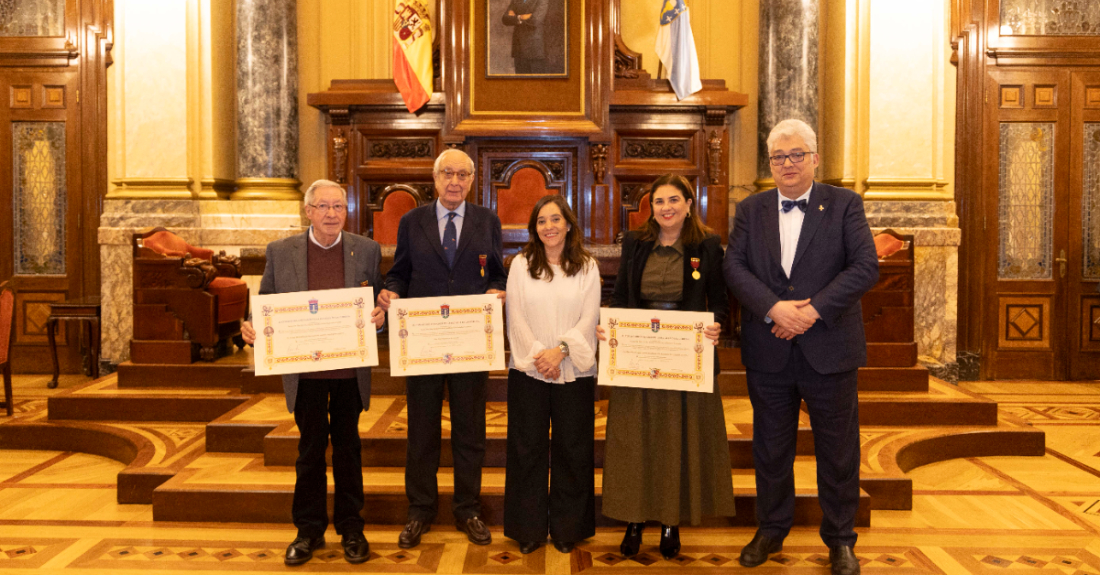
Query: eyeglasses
[[462, 176], [324, 208], [796, 158]]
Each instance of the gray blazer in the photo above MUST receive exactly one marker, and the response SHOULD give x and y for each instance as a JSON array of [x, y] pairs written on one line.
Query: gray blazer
[[286, 272]]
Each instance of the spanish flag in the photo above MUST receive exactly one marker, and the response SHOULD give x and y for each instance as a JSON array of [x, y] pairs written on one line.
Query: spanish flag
[[412, 52]]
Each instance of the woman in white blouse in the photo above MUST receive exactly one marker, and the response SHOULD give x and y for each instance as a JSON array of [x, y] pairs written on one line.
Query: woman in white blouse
[[553, 307]]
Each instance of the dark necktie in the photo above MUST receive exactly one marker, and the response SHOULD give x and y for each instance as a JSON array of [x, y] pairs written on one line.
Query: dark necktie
[[450, 239], [789, 205]]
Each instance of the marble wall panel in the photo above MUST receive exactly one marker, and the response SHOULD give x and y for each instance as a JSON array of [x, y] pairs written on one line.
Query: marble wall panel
[[267, 89], [788, 69]]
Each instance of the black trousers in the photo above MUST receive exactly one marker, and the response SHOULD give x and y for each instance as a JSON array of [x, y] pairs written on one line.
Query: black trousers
[[568, 510], [834, 418], [328, 407], [466, 396]]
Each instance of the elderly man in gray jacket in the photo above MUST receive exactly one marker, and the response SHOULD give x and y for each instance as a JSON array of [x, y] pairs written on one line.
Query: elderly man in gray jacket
[[328, 402]]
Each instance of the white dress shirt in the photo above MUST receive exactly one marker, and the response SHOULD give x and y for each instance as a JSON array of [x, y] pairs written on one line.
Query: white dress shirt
[[441, 217], [542, 314], [313, 239], [790, 227]]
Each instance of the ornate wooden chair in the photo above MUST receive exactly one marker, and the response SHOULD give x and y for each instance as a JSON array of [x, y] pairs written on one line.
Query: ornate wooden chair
[[188, 301], [7, 334]]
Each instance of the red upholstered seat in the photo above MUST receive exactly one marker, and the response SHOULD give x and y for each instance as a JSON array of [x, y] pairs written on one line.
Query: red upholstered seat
[[887, 245], [188, 301], [169, 244], [232, 296], [7, 306], [7, 332]]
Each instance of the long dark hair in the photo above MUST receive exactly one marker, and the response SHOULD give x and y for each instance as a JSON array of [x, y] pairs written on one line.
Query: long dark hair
[[573, 255], [694, 230]]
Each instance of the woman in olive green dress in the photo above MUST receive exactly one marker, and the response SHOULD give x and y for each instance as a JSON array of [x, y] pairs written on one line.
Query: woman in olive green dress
[[667, 453]]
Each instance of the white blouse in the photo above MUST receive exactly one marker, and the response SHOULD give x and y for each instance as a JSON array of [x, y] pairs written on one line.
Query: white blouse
[[541, 314]]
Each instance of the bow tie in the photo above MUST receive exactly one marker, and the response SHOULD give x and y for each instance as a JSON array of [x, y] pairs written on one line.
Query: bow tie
[[789, 205]]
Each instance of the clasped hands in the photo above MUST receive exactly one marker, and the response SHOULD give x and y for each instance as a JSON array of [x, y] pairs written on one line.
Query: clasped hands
[[791, 318]]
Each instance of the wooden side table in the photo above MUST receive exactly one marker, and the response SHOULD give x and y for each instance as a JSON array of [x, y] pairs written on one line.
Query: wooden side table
[[84, 309]]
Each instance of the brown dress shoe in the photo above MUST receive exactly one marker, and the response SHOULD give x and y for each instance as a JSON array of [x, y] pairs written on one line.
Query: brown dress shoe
[[301, 550], [356, 548], [410, 535], [844, 560], [475, 530], [757, 551]]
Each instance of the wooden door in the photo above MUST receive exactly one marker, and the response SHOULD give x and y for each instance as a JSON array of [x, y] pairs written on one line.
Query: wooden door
[[40, 150], [1025, 235], [1082, 266]]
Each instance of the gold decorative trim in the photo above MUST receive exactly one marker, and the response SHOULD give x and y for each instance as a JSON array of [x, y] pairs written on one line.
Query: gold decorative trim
[[849, 183], [217, 188], [152, 188], [267, 189], [910, 189]]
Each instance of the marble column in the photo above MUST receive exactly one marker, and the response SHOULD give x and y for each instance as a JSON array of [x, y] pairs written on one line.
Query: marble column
[[267, 100], [788, 70]]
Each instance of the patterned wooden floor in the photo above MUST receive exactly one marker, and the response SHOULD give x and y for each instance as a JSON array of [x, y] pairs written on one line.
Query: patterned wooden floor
[[990, 515]]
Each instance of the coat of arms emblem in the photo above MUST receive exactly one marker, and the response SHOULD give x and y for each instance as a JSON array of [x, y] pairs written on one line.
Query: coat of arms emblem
[[445, 311], [655, 324], [314, 307], [316, 356]]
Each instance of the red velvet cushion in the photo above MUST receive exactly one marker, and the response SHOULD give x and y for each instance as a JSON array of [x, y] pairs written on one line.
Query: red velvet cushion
[[7, 305], [886, 245], [232, 296], [170, 244]]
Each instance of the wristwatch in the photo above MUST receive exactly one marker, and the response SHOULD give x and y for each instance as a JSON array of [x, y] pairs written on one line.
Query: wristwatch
[[564, 347]]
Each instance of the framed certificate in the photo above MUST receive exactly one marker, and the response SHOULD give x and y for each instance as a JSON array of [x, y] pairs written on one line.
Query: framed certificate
[[455, 334], [302, 332], [656, 349]]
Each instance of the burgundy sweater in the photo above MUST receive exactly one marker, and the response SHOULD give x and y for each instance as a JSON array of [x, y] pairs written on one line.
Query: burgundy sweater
[[325, 270]]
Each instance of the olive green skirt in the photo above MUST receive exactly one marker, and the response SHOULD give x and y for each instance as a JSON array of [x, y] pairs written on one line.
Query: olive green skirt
[[667, 457]]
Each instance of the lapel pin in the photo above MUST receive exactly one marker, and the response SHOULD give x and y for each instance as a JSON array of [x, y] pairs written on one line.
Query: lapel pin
[[820, 208]]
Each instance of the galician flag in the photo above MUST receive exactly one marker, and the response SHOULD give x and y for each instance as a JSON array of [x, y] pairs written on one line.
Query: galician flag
[[676, 49], [412, 52]]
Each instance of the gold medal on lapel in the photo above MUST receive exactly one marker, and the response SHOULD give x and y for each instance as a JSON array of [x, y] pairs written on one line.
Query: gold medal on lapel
[[695, 265], [481, 259], [820, 208]]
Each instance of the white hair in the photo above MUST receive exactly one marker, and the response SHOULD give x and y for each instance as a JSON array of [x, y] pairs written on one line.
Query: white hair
[[791, 128], [319, 184], [450, 151]]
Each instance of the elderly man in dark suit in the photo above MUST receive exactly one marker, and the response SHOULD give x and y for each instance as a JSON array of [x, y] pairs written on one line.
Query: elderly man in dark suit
[[325, 403], [446, 248], [528, 17], [800, 258]]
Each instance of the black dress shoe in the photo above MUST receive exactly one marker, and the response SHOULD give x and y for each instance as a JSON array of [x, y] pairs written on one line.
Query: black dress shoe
[[356, 548], [564, 546], [670, 541], [301, 549], [410, 535], [632, 541], [844, 560], [528, 547], [757, 551], [475, 530]]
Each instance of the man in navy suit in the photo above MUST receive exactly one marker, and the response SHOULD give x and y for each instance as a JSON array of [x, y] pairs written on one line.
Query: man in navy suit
[[800, 258], [448, 247]]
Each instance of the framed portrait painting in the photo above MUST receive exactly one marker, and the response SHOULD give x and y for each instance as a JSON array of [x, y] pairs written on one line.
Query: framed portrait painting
[[526, 39]]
